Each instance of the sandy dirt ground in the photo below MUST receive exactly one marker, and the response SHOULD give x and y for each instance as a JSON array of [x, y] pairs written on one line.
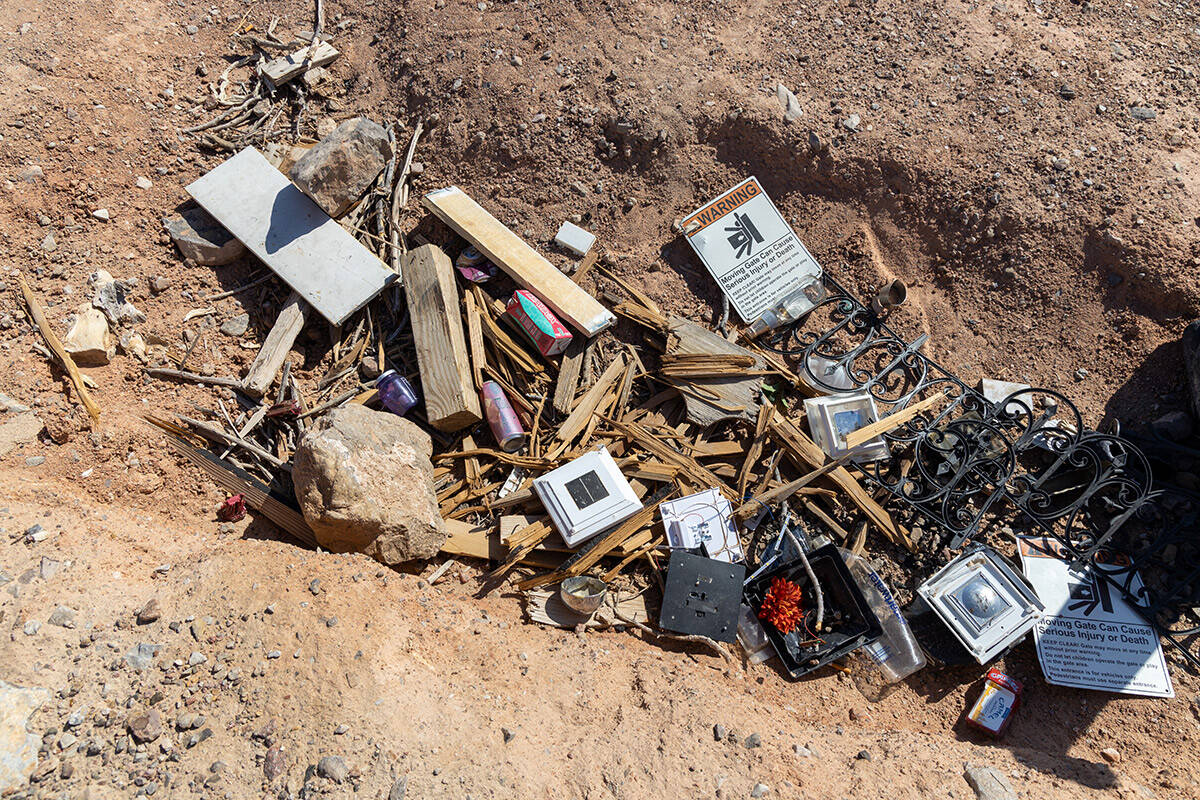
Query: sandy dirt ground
[[988, 154]]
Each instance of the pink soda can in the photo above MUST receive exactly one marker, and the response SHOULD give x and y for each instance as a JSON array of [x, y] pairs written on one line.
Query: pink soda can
[[502, 418]]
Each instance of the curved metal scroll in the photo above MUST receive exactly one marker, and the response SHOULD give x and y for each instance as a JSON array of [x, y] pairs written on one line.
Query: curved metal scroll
[[966, 457]]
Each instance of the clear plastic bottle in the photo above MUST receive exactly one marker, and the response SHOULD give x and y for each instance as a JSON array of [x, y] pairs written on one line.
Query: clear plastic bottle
[[793, 306], [896, 652]]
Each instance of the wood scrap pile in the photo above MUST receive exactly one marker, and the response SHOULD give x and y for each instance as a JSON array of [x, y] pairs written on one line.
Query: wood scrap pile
[[680, 408]]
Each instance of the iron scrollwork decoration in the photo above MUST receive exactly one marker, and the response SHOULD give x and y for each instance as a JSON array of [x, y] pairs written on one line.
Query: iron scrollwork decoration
[[965, 460]]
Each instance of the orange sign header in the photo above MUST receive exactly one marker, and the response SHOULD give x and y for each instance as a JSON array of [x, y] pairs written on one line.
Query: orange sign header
[[723, 205]]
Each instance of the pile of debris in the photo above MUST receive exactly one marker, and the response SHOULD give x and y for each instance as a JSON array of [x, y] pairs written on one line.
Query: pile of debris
[[621, 466]]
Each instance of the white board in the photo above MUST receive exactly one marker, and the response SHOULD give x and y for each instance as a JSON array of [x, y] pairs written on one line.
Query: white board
[[292, 235], [1089, 637], [751, 251]]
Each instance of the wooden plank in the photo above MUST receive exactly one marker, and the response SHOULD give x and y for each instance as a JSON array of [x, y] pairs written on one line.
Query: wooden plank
[[284, 68], [523, 264], [475, 541], [578, 420], [568, 375], [275, 349], [732, 397], [292, 235], [891, 421], [451, 403]]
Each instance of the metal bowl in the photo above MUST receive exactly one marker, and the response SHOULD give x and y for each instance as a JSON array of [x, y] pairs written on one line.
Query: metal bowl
[[583, 593]]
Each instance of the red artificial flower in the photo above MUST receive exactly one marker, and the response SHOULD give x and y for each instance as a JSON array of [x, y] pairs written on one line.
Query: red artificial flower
[[781, 606]]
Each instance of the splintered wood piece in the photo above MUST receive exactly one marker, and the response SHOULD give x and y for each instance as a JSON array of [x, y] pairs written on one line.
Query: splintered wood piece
[[782, 493], [891, 421], [629, 559], [502, 341], [722, 449], [652, 471], [574, 424], [808, 454], [475, 338], [52, 340], [633, 291], [471, 463], [765, 412], [568, 374], [451, 402], [275, 349], [643, 316], [585, 265], [523, 264], [284, 68], [597, 548], [820, 514], [521, 543], [699, 476], [710, 400]]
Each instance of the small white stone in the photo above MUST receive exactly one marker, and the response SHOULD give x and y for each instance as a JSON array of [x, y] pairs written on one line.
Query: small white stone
[[144, 182], [101, 214], [574, 238]]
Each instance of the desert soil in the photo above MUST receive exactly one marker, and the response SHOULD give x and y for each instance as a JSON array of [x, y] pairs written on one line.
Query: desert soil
[[1030, 169]]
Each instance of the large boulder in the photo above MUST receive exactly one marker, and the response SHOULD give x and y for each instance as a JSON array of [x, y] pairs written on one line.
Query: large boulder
[[339, 169], [18, 746], [365, 483]]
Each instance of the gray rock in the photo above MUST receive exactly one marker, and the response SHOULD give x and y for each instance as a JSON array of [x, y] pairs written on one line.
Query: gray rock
[[49, 243], [852, 122], [146, 726], [399, 788], [341, 166], [202, 239], [791, 106], [112, 297], [31, 174], [759, 790], [236, 326], [989, 783], [63, 617], [275, 763], [1142, 112], [35, 461], [18, 429], [32, 627], [752, 741], [719, 732], [18, 747], [142, 656], [1174, 426], [508, 735], [365, 483], [90, 342], [150, 612], [333, 768]]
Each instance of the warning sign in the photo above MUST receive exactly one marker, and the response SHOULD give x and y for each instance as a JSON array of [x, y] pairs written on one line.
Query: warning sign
[[749, 248], [1090, 638]]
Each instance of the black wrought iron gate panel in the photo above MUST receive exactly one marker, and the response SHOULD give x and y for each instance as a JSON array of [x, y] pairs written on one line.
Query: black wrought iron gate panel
[[965, 458]]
